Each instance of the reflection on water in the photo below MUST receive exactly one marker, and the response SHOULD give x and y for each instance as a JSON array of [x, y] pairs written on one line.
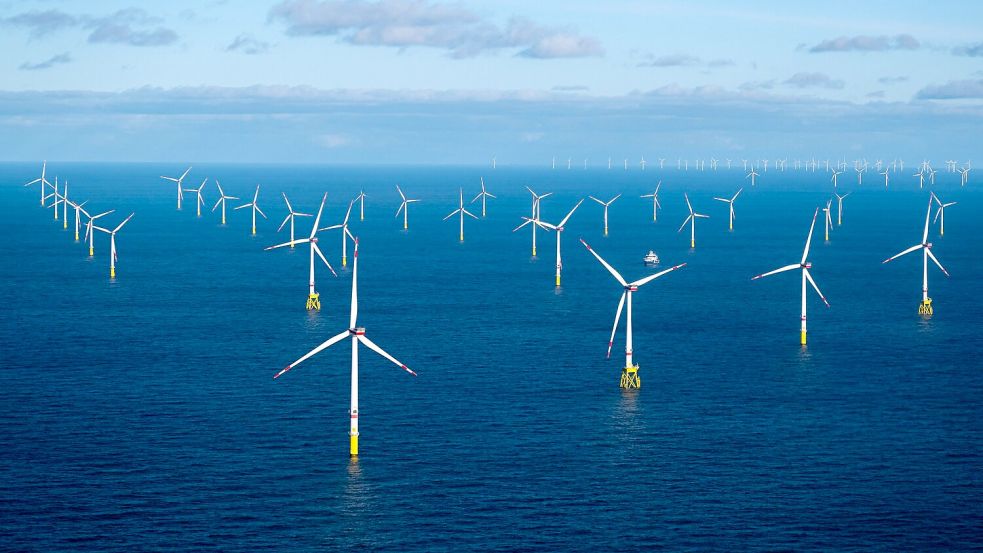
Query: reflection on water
[[355, 497]]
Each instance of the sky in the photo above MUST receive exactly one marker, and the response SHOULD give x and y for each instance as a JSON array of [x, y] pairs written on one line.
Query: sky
[[428, 81]]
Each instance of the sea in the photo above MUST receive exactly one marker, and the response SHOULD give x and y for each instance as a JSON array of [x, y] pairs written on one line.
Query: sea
[[141, 414]]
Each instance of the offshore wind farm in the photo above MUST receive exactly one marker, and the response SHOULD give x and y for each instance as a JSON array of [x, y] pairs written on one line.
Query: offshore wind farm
[[583, 340]]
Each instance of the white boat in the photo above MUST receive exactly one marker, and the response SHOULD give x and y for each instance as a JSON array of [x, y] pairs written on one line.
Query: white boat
[[650, 258]]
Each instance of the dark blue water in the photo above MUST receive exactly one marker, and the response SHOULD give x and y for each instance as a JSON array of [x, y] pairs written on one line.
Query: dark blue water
[[141, 414]]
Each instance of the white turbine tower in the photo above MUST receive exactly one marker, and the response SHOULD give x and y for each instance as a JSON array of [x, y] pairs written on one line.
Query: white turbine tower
[[357, 335], [655, 201], [43, 181], [730, 204], [291, 216], [606, 205], [313, 298], [345, 234], [691, 219], [536, 198], [404, 207], [839, 207], [179, 181], [199, 200], [559, 228], [940, 213], [886, 177], [835, 174], [629, 374], [361, 205], [78, 217], [828, 219], [925, 307], [254, 207], [112, 244], [89, 232], [805, 266], [462, 212], [752, 176], [483, 195], [221, 200]]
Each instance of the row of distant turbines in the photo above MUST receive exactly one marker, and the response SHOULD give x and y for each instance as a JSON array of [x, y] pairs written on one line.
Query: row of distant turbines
[[629, 375]]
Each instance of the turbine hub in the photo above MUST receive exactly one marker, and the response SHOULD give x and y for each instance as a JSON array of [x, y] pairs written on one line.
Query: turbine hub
[[807, 265], [358, 331], [631, 288]]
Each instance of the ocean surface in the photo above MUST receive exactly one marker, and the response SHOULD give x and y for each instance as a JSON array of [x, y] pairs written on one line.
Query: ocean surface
[[141, 415]]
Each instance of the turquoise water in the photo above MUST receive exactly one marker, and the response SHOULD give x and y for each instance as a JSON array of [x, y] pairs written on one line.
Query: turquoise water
[[141, 414]]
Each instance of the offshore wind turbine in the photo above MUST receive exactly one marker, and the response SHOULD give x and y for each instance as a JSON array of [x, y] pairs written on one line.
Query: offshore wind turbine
[[921, 179], [655, 201], [221, 200], [536, 198], [828, 219], [42, 180], [730, 204], [925, 307], [254, 207], [752, 175], [404, 207], [64, 206], [886, 177], [559, 228], [89, 232], [835, 174], [112, 244], [629, 374], [483, 195], [691, 219], [291, 215], [357, 335], [179, 181], [805, 266], [78, 209], [54, 194], [460, 210], [345, 234], [313, 298], [839, 207], [940, 213], [606, 205], [200, 200], [361, 203]]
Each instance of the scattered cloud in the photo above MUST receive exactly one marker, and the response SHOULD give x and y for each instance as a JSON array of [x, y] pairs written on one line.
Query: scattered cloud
[[971, 50], [48, 63], [893, 80], [130, 26], [875, 94], [248, 45], [721, 63], [952, 90], [864, 43], [681, 60], [418, 23], [570, 88], [757, 85], [813, 80]]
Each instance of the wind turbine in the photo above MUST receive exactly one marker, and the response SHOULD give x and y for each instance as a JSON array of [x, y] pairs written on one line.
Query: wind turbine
[[940, 213], [55, 196], [64, 207], [345, 234], [357, 335], [839, 207], [691, 219], [835, 174], [963, 176], [536, 198], [221, 200], [78, 209], [460, 210], [629, 374], [361, 202], [925, 307], [805, 266], [291, 215], [200, 201], [606, 205], [89, 233], [752, 175], [254, 207], [112, 244], [483, 195], [559, 228], [730, 204], [179, 180], [404, 207], [42, 180], [828, 218], [886, 177], [655, 201], [313, 298], [921, 179]]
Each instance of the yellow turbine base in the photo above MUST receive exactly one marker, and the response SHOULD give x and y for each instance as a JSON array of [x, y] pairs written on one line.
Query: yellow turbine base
[[344, 261], [405, 226], [91, 253], [353, 447], [314, 302], [462, 238], [112, 272], [534, 252], [925, 308], [64, 225], [630, 379], [802, 337], [557, 281], [692, 243]]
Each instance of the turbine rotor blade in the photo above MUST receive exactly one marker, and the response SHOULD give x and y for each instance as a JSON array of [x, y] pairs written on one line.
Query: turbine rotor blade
[[328, 343]]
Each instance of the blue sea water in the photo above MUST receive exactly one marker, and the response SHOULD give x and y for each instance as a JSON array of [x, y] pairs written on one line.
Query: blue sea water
[[141, 414]]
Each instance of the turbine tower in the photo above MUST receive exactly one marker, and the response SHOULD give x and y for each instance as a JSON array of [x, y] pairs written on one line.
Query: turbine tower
[[925, 307]]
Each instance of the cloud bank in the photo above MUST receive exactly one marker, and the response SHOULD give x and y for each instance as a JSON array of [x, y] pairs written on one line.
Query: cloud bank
[[864, 43], [129, 26], [48, 63]]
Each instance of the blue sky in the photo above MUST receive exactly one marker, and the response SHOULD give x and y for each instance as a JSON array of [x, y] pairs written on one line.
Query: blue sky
[[359, 81]]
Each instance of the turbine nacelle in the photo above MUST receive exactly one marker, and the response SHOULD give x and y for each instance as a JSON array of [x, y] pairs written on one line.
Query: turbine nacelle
[[357, 331]]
